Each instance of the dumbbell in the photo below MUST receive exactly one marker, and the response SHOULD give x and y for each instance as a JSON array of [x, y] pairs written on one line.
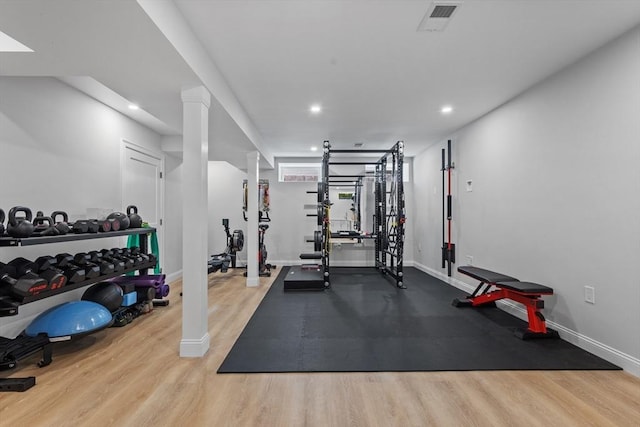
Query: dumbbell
[[134, 252], [84, 260], [115, 254], [106, 267], [24, 286], [91, 270], [145, 257], [136, 257], [118, 265], [80, 226], [46, 268], [126, 253], [24, 267], [74, 273]]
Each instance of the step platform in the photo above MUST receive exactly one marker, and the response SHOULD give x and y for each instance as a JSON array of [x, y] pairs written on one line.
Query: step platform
[[302, 278]]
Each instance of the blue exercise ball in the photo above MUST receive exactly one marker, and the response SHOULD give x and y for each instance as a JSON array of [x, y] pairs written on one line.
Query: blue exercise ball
[[71, 318]]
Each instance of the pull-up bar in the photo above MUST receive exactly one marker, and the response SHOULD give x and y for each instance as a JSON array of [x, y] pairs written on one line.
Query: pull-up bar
[[353, 163], [359, 151]]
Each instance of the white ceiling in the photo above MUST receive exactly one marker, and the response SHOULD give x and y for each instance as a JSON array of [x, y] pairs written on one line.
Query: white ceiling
[[377, 78]]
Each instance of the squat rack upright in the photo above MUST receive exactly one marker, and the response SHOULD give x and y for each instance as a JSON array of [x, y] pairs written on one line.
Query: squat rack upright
[[388, 219]]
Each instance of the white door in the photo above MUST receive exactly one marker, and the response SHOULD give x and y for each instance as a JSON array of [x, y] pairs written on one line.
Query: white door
[[142, 186]]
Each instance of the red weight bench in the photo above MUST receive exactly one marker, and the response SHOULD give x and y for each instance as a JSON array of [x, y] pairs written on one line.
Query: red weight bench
[[496, 286]]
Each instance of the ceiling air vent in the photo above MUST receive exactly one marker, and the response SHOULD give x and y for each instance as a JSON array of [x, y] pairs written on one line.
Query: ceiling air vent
[[438, 15]]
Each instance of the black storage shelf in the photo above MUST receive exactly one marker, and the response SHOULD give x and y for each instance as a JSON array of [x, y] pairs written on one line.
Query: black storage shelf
[[9, 305], [42, 240], [8, 301]]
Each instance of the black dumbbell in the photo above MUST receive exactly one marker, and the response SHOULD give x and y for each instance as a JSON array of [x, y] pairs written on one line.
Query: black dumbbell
[[24, 267], [136, 251], [46, 267], [24, 286], [94, 225], [137, 256], [118, 265], [115, 253], [137, 259], [106, 267], [81, 226], [74, 273], [92, 269]]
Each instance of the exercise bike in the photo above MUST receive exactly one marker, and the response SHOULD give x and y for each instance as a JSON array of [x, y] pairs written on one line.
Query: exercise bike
[[264, 268], [222, 261]]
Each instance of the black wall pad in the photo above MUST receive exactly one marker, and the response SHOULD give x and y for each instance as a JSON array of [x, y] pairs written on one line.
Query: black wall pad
[[364, 323]]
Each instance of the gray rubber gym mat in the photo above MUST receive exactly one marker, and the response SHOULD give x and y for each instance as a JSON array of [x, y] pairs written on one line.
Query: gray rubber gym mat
[[364, 323]]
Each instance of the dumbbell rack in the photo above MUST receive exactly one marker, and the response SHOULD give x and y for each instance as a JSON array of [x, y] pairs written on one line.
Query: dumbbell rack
[[9, 305]]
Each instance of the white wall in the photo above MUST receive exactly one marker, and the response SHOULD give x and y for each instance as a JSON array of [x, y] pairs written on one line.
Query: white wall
[[556, 196], [225, 201], [173, 217], [60, 150]]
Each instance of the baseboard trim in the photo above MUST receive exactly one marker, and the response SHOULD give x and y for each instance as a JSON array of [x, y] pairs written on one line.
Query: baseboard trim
[[625, 361], [177, 275], [334, 263], [195, 347]]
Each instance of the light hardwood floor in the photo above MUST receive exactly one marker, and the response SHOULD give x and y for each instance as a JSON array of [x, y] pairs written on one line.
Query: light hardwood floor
[[132, 376]]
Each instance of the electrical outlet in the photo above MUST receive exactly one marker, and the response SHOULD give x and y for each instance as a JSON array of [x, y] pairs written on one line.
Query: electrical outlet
[[469, 185], [419, 247], [590, 294], [469, 260]]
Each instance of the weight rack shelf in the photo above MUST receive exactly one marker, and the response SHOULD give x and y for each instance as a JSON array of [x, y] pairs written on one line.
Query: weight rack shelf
[[42, 240], [7, 302]]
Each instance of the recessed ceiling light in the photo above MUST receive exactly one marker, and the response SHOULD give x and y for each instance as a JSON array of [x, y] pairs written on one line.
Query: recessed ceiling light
[[133, 107], [446, 109], [314, 148], [315, 108]]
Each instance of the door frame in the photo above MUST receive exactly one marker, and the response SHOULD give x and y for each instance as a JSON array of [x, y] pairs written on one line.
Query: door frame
[[126, 144]]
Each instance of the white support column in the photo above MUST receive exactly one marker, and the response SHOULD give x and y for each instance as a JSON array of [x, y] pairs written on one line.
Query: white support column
[[253, 176], [195, 331]]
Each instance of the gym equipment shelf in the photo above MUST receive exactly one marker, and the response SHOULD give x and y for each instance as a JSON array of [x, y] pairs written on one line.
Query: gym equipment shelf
[[41, 240], [6, 302], [9, 305]]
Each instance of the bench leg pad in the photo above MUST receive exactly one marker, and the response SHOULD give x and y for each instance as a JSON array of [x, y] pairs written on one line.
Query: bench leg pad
[[526, 334]]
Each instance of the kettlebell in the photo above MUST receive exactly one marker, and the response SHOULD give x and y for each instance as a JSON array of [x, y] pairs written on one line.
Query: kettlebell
[[44, 226], [135, 220], [61, 226], [1, 222], [121, 218], [20, 227]]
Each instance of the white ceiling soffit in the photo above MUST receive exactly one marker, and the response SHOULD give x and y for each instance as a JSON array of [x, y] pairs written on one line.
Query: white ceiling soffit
[[100, 92], [170, 21], [438, 16]]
